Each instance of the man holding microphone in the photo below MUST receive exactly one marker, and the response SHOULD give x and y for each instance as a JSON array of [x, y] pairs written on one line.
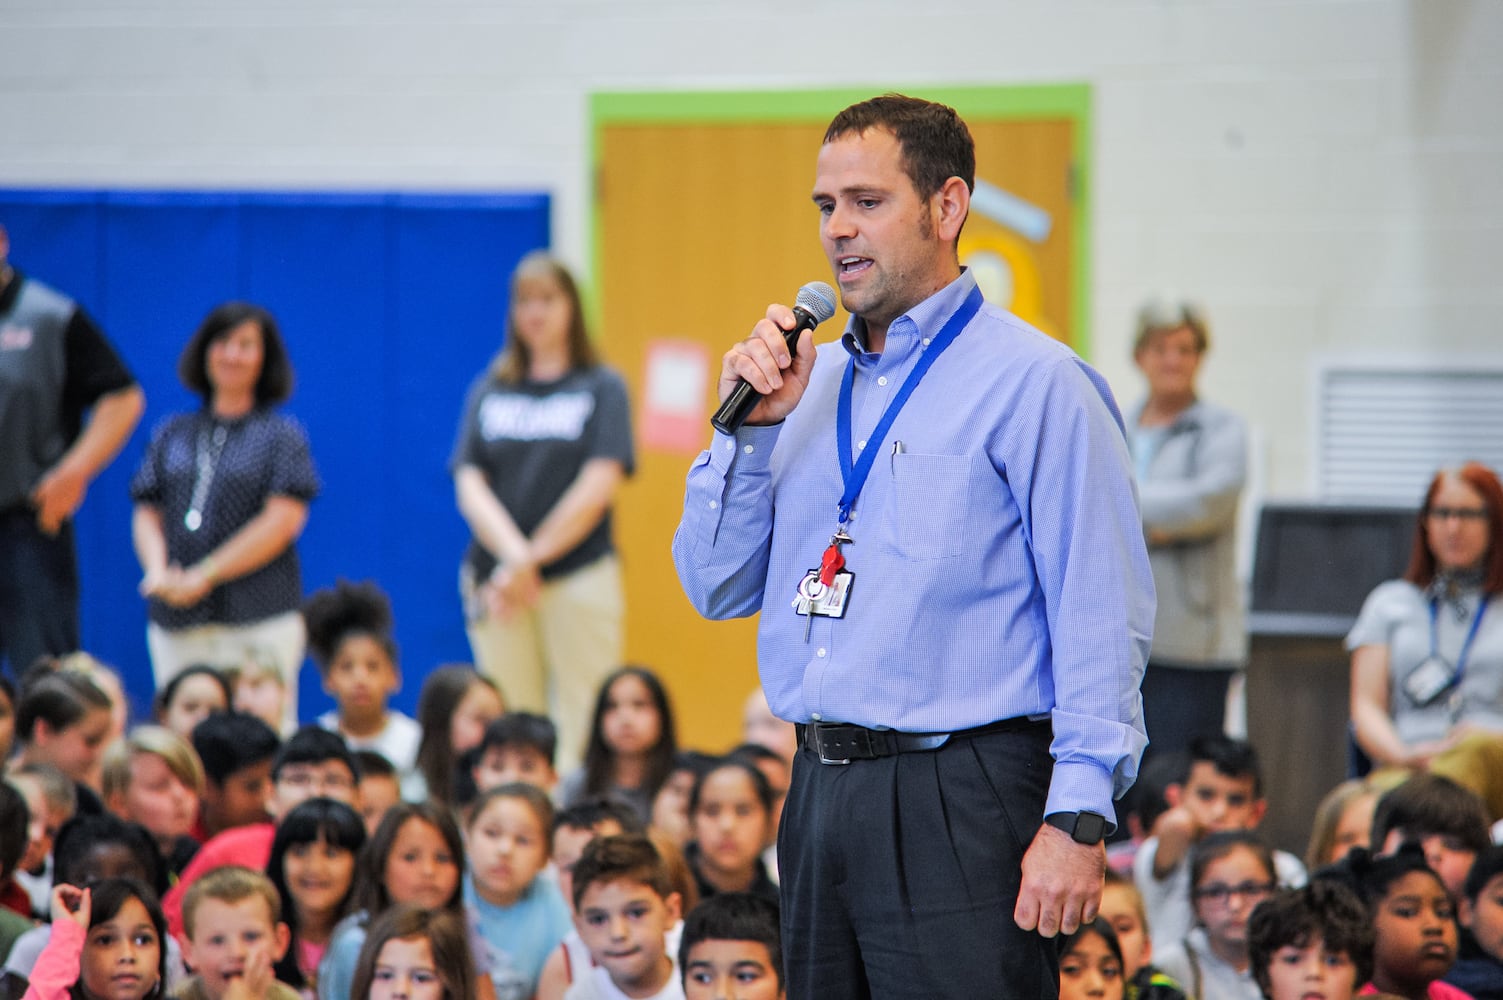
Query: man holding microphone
[[936, 518]]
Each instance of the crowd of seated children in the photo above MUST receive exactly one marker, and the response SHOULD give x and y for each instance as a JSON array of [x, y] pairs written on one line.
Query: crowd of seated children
[[332, 849]]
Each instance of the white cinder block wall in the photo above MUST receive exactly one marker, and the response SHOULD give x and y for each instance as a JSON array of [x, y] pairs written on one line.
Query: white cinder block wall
[[1323, 174]]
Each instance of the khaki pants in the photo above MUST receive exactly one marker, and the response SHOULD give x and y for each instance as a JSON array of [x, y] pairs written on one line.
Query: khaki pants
[[281, 638], [553, 658]]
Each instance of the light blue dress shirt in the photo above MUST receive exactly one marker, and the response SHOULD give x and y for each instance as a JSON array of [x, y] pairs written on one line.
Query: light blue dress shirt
[[999, 562]]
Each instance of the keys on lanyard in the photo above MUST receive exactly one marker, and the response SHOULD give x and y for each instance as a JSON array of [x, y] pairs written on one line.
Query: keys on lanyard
[[825, 590]]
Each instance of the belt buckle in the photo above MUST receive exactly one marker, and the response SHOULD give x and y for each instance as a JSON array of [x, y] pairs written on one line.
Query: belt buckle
[[819, 743], [832, 760]]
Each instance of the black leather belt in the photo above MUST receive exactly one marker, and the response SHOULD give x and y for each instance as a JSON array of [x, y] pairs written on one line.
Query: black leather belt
[[841, 743]]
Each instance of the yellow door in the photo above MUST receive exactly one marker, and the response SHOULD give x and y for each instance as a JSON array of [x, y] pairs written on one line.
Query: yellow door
[[700, 225]]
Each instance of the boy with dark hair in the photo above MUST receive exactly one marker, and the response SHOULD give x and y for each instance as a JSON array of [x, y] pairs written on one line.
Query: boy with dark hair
[[519, 746], [1479, 963], [1317, 940], [380, 787], [1446, 820], [732, 947], [573, 830], [314, 763], [236, 751], [625, 908], [1222, 791]]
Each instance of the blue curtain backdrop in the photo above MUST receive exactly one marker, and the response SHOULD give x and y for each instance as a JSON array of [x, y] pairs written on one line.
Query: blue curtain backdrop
[[390, 306]]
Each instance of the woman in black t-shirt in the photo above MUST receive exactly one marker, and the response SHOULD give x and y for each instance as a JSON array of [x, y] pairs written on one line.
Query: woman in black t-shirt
[[543, 446]]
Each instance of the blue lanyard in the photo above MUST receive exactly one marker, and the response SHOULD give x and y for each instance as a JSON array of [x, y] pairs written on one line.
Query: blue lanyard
[[1466, 645], [855, 472]]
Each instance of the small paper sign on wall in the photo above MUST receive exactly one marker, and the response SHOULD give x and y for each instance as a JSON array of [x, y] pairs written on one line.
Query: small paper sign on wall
[[675, 411]]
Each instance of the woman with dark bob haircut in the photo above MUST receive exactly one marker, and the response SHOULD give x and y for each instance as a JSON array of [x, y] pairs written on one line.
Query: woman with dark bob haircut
[[221, 497], [1427, 649]]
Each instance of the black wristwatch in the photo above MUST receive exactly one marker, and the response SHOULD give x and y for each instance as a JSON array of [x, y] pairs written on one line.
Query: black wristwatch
[[1083, 827]]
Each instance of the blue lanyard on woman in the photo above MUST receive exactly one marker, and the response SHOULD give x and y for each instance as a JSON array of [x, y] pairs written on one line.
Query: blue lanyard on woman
[[1466, 645]]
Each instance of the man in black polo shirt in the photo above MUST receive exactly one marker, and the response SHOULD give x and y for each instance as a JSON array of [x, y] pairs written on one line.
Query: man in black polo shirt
[[55, 365]]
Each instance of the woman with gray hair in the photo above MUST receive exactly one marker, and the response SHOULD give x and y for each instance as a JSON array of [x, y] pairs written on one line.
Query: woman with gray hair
[[1190, 458]]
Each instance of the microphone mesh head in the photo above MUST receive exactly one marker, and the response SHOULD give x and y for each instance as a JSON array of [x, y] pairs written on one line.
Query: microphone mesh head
[[817, 299]]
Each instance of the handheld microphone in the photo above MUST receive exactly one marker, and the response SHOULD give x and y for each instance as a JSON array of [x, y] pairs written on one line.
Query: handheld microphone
[[814, 305]]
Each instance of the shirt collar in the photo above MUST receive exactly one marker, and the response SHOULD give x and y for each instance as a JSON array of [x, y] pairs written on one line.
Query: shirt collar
[[916, 326]]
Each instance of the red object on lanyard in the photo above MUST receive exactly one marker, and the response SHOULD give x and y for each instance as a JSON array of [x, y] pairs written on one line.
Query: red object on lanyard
[[832, 562]]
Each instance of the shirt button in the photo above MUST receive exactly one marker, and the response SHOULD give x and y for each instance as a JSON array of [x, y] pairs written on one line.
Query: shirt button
[[882, 380], [747, 449], [821, 651], [926, 341], [729, 445], [815, 716], [714, 504], [860, 444]]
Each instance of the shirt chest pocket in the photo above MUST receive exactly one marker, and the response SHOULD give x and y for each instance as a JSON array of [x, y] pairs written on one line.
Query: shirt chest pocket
[[930, 499]]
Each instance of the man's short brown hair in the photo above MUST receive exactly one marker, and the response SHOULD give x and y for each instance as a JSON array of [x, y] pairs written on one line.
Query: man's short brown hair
[[935, 141]]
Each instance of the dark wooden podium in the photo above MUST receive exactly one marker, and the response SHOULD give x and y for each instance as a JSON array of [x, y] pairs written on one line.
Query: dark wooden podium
[[1314, 566]]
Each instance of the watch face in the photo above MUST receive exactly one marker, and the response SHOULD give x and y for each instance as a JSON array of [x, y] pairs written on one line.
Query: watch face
[[1090, 828]]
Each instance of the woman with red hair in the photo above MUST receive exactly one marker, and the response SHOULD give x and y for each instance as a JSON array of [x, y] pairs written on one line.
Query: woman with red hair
[[1427, 650]]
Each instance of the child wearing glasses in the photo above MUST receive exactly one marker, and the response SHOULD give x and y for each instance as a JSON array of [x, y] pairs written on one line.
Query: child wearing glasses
[[1221, 790], [1231, 872]]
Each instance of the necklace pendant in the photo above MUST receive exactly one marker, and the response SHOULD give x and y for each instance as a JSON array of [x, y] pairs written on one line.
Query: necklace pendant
[[193, 520]]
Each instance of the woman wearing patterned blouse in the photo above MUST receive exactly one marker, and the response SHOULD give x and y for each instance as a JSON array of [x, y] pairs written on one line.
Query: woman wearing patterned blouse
[[221, 497]]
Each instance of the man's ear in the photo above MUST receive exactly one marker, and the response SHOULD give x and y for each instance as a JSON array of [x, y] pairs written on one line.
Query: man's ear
[[675, 904], [950, 205], [1174, 794]]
